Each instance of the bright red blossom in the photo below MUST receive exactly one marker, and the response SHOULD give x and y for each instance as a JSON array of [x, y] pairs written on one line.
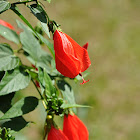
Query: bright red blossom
[[74, 128], [56, 134], [6, 24], [71, 59]]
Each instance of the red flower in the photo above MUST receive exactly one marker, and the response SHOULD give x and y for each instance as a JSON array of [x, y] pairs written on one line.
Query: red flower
[[74, 128], [6, 24], [71, 59], [56, 134]]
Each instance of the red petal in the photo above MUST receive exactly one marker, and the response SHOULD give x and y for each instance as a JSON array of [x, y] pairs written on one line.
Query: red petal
[[66, 62], [74, 128], [82, 131], [56, 134], [66, 68], [70, 128], [6, 24], [85, 46], [71, 59], [82, 54]]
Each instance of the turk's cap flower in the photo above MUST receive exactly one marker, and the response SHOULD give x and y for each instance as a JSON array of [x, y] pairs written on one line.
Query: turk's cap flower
[[56, 134], [6, 24], [74, 128], [71, 59]]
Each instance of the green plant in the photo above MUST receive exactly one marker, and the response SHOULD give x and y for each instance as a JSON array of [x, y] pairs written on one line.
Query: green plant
[[47, 71]]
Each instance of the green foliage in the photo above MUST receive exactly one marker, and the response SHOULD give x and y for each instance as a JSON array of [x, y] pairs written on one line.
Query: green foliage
[[16, 10], [67, 106], [5, 134], [55, 93], [29, 42], [5, 102], [16, 124], [4, 5], [49, 45], [54, 105], [46, 83], [39, 12], [23, 106], [8, 60], [49, 1], [68, 94], [9, 34], [11, 80], [31, 45], [66, 91]]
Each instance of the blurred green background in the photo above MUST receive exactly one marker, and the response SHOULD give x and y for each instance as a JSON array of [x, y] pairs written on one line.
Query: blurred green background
[[112, 29]]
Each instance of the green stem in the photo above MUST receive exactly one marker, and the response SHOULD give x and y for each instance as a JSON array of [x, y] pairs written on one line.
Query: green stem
[[16, 11], [18, 50], [23, 2], [37, 89], [42, 98]]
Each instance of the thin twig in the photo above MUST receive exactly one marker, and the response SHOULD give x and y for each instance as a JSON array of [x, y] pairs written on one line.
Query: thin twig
[[23, 2], [44, 103]]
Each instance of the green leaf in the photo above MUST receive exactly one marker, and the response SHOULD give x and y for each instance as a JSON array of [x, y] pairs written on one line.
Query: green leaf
[[54, 71], [49, 88], [6, 134], [9, 34], [1, 74], [48, 43], [49, 1], [41, 80], [35, 54], [65, 105], [44, 61], [31, 45], [67, 92], [14, 80], [29, 42], [23, 106], [8, 60], [5, 102], [4, 5], [15, 124], [39, 12], [16, 10], [46, 83]]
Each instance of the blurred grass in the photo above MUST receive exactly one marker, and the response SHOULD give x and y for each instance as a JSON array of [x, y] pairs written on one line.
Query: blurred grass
[[112, 29]]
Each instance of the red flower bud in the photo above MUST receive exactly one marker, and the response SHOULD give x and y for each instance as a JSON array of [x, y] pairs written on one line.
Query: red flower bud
[[35, 67], [6, 24], [71, 59], [74, 128], [56, 134], [36, 82]]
